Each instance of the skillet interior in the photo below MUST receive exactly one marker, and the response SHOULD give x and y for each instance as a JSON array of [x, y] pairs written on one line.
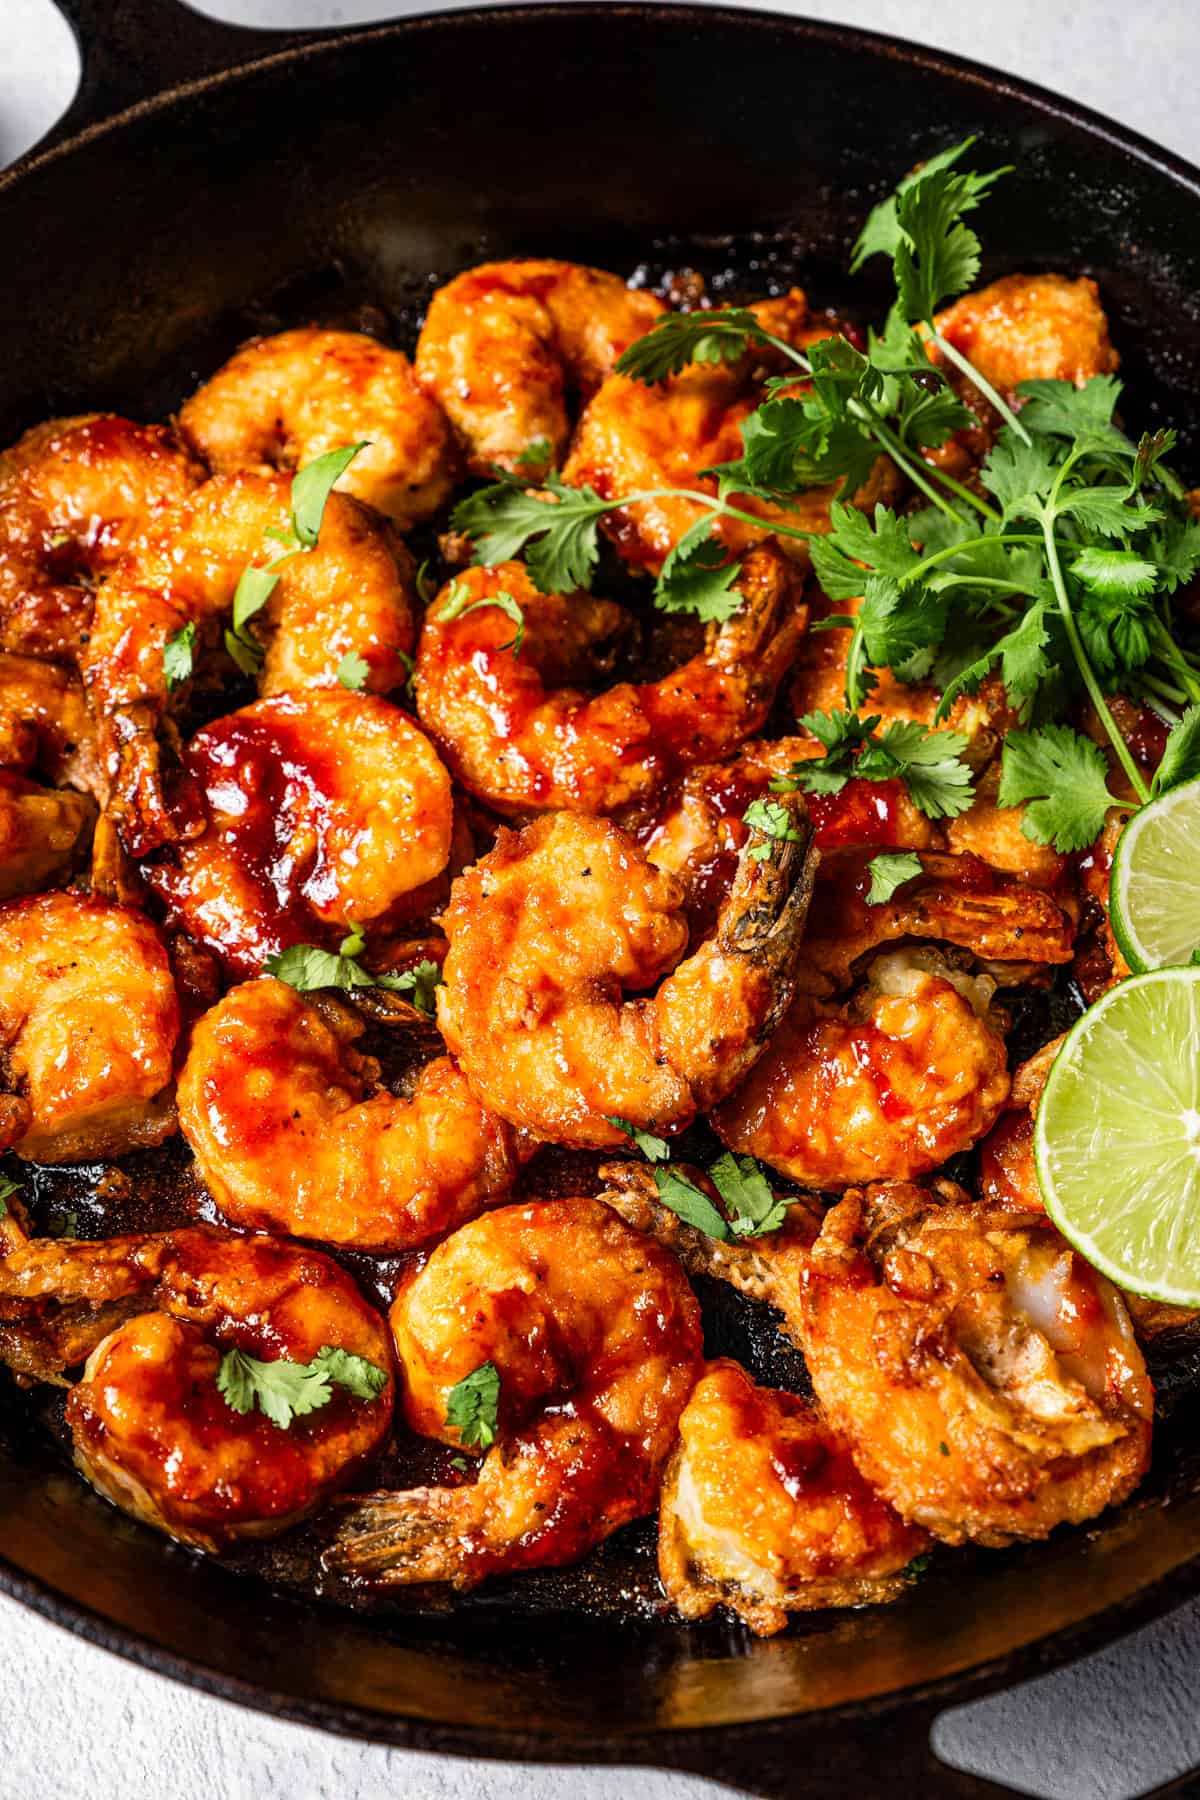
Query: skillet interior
[[136, 260]]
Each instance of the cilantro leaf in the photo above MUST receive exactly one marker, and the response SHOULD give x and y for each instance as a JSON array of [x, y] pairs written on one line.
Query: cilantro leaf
[[306, 967], [1019, 474], [654, 1149], [312, 486], [1061, 778], [245, 652], [883, 543], [361, 1379], [1114, 574], [929, 763], [698, 577], [889, 872], [1060, 409], [927, 416], [472, 1406], [178, 654], [937, 256], [1108, 510], [420, 983], [556, 527], [690, 1203], [7, 1190], [896, 622], [1181, 757], [881, 234], [753, 1208], [772, 820], [1175, 548], [255, 587], [535, 457], [676, 340], [352, 671]]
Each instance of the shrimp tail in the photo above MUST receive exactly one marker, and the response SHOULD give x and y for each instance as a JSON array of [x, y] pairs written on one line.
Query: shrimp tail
[[423, 1534], [765, 913]]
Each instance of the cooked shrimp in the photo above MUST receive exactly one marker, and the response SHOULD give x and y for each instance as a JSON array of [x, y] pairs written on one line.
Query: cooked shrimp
[[45, 725], [504, 345], [293, 1132], [699, 829], [154, 1316], [595, 1335], [1020, 328], [546, 931], [283, 400], [73, 493], [1015, 931], [906, 1075], [764, 1512], [523, 749], [993, 833], [633, 437], [346, 595], [987, 1379], [88, 1023], [44, 834], [323, 807]]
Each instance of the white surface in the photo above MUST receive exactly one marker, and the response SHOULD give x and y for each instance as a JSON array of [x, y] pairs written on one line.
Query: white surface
[[76, 1724]]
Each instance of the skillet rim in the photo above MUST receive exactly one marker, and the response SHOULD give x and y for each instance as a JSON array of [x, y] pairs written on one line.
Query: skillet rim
[[686, 1748]]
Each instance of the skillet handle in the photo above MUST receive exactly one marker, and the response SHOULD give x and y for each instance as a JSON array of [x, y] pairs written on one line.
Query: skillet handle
[[880, 1756], [132, 50]]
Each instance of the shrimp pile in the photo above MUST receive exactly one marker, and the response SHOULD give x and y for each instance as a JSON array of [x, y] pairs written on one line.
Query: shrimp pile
[[404, 893]]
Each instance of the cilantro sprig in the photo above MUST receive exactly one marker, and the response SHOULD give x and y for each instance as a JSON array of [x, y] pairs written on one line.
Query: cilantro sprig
[[752, 1209], [929, 763], [473, 1406], [283, 1390], [307, 967]]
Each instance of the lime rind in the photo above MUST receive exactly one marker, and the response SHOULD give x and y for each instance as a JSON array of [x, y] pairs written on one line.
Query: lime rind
[[1117, 1138], [1154, 888]]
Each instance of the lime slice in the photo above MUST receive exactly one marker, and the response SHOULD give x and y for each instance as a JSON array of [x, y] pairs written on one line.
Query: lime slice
[[1117, 1139], [1153, 891]]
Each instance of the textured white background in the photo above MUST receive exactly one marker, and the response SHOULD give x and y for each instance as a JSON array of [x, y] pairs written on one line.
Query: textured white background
[[76, 1724]]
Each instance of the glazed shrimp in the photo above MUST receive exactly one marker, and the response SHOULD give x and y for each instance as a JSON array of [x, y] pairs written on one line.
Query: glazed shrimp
[[44, 835], [987, 1379], [45, 726], [699, 827], [323, 807], [1014, 931], [88, 1024], [283, 400], [548, 928], [595, 1335], [504, 345], [906, 1075], [73, 493], [764, 1512], [348, 594], [525, 750], [292, 1130], [154, 1316], [637, 438]]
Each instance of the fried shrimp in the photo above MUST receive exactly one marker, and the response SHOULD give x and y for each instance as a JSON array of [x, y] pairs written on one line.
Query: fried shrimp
[[45, 726], [700, 826], [155, 1317], [44, 834], [1014, 931], [505, 345], [323, 807], [764, 1512], [633, 438], [293, 1132], [906, 1075], [525, 749], [548, 929], [346, 596], [595, 1336], [283, 400], [73, 493], [88, 1023], [987, 1379]]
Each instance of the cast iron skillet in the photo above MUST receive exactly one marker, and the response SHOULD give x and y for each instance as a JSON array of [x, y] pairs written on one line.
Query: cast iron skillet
[[134, 250]]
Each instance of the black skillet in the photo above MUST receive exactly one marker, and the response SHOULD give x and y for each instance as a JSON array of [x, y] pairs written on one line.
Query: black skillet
[[135, 251]]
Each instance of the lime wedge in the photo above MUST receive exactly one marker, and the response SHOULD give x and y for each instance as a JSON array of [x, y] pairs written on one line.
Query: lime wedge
[[1154, 895], [1117, 1139]]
